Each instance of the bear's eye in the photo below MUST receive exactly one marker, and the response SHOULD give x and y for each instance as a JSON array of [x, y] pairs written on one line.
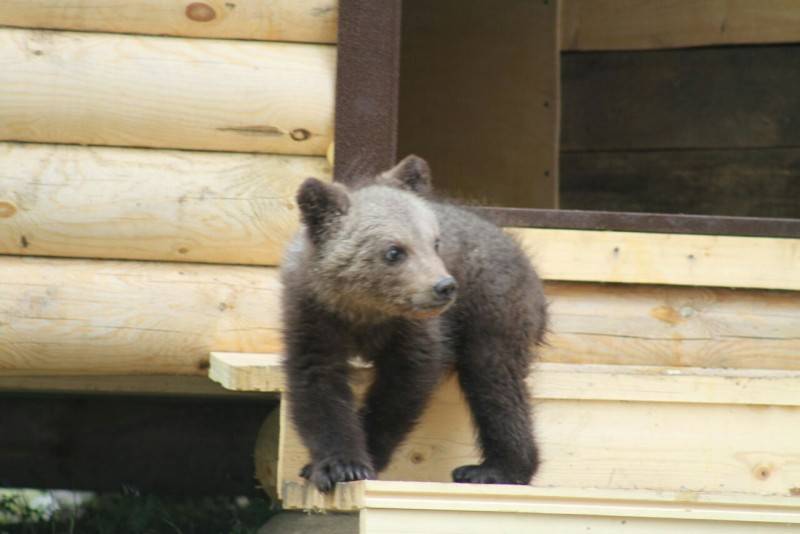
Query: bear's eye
[[436, 244], [394, 254]]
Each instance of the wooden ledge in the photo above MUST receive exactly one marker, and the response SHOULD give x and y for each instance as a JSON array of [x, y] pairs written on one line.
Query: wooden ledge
[[630, 383], [374, 494]]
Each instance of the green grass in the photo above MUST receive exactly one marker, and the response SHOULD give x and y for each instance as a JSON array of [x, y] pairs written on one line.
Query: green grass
[[130, 513]]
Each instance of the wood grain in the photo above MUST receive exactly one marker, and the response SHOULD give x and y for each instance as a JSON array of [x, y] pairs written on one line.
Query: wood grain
[[83, 317], [312, 21], [588, 443], [123, 90], [651, 24], [73, 317], [101, 202], [641, 258]]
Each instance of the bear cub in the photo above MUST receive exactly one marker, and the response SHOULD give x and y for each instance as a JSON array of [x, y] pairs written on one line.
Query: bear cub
[[419, 288]]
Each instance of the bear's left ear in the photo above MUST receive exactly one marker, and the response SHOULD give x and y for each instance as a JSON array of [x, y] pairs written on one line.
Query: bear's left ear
[[411, 174], [321, 207]]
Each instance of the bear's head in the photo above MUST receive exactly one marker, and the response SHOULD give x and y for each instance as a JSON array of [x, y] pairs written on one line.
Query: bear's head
[[375, 250]]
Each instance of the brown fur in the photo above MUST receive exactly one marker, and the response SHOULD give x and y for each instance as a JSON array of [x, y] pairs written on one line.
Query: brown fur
[[343, 296]]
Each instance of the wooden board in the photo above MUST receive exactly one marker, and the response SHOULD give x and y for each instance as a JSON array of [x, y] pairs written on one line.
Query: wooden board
[[85, 317], [479, 98], [312, 21], [105, 89], [61, 200], [150, 385], [563, 381], [599, 427], [649, 24], [672, 326], [60, 316], [729, 97], [746, 182], [635, 258], [458, 508]]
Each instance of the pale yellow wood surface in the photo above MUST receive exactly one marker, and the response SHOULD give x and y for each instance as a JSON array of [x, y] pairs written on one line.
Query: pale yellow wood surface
[[82, 317], [672, 326], [653, 24], [693, 260], [105, 202], [602, 427], [312, 21], [564, 381], [60, 316], [373, 495], [123, 90]]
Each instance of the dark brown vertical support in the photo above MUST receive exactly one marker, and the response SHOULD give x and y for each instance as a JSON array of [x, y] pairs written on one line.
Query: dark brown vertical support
[[479, 97], [367, 87]]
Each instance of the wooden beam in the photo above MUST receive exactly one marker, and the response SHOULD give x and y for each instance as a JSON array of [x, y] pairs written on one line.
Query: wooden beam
[[310, 21], [671, 427], [102, 202], [640, 258], [150, 385], [73, 317], [105, 89], [432, 507], [83, 317], [651, 24], [561, 381]]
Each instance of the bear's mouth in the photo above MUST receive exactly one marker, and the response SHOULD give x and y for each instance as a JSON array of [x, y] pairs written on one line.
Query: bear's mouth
[[428, 312]]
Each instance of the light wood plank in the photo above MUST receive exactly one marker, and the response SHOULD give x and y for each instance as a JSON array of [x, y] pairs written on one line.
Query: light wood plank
[[84, 317], [101, 202], [312, 21], [562, 381], [637, 258], [601, 427], [123, 90], [672, 326], [396, 507], [652, 24]]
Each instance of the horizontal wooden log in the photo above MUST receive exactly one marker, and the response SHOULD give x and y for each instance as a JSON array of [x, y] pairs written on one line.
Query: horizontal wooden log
[[312, 21], [641, 258], [83, 317], [650, 24], [681, 99], [123, 90], [62, 316], [601, 427], [748, 182], [101, 202]]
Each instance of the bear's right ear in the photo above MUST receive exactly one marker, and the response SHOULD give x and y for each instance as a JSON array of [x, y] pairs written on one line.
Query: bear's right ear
[[321, 206], [411, 174]]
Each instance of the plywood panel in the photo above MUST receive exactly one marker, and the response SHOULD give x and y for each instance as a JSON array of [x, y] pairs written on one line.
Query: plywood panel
[[124, 90], [479, 97], [102, 202], [311, 21]]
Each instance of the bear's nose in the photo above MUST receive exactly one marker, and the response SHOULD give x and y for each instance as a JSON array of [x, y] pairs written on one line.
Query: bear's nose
[[445, 288]]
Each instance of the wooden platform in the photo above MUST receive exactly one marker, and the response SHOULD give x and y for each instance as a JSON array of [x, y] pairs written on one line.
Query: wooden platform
[[614, 427], [402, 507]]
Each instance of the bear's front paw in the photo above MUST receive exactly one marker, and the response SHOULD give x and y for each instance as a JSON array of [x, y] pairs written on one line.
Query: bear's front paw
[[326, 473], [484, 474]]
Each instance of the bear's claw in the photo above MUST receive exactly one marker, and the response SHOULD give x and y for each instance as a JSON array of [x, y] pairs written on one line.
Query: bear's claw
[[327, 473]]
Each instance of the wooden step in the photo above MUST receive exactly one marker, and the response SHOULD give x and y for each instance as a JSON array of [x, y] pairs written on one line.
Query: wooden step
[[402, 507], [599, 426]]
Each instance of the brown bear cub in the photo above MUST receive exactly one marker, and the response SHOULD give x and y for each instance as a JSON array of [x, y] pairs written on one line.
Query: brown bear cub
[[417, 287]]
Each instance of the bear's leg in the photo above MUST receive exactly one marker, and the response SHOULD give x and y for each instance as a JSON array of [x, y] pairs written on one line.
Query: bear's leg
[[492, 372], [323, 410], [407, 372]]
